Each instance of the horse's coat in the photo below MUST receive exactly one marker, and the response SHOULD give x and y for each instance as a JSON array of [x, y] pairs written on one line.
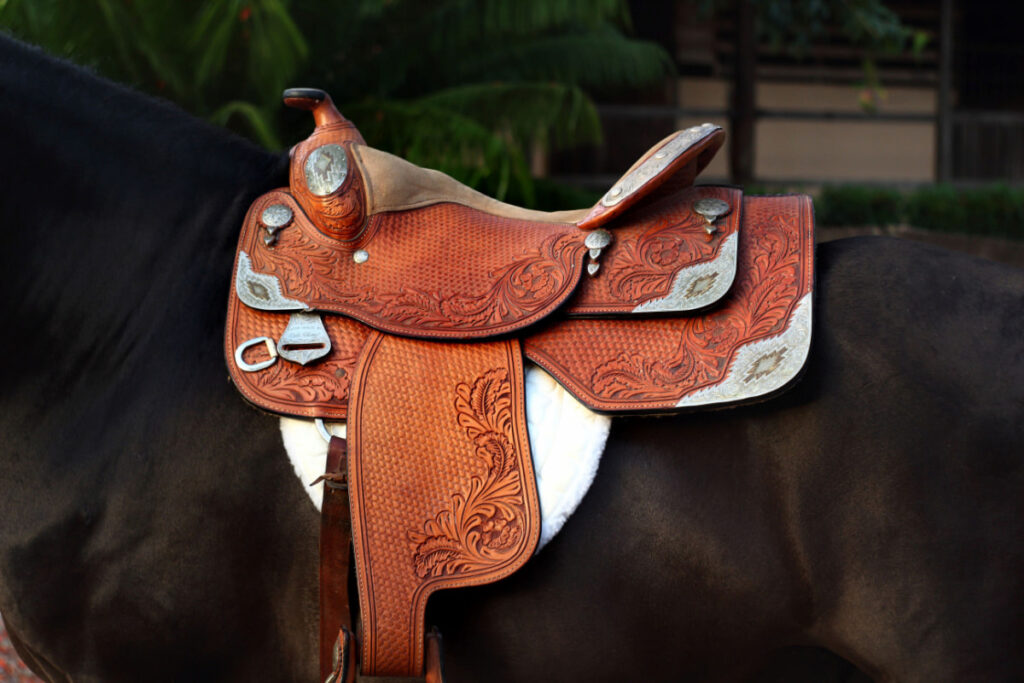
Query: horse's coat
[[152, 528], [566, 441]]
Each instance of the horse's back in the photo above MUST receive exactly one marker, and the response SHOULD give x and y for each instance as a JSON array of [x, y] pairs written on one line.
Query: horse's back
[[903, 453], [874, 509]]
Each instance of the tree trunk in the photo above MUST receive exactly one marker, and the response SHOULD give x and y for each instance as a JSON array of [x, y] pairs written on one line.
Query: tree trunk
[[944, 122], [741, 145]]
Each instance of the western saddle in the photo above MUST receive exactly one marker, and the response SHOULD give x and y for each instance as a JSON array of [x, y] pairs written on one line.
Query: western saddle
[[393, 297]]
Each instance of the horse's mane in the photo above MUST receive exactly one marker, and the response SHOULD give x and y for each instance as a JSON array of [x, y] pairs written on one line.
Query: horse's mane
[[120, 213]]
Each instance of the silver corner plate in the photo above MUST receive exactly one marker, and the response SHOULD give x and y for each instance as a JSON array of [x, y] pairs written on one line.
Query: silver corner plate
[[260, 290], [700, 285], [763, 366]]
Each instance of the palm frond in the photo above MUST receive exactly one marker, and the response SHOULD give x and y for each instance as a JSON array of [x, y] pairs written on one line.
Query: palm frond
[[465, 86], [434, 136], [259, 121], [552, 112], [596, 59]]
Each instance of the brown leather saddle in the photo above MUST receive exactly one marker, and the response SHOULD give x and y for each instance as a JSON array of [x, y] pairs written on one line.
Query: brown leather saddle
[[392, 296]]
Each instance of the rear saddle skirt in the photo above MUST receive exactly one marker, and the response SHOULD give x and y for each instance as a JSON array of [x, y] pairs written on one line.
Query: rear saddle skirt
[[391, 296]]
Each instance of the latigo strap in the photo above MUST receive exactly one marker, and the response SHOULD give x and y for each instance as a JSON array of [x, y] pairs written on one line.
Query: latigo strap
[[335, 540]]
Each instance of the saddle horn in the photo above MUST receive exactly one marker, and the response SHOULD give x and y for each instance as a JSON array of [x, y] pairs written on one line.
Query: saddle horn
[[325, 114], [323, 179]]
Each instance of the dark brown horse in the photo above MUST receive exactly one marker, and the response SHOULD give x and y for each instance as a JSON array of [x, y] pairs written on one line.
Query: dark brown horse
[[151, 527]]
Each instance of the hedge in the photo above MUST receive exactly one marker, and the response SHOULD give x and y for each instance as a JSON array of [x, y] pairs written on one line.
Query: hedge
[[995, 210]]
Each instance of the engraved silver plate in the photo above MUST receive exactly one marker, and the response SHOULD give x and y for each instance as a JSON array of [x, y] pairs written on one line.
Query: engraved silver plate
[[657, 162], [305, 339], [326, 169], [763, 366], [700, 285], [261, 291], [275, 217], [711, 209]]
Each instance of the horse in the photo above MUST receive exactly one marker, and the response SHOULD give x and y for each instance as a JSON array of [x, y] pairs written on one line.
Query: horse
[[867, 523]]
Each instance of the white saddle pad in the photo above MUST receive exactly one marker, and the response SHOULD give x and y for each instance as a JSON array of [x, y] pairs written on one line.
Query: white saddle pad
[[566, 441]]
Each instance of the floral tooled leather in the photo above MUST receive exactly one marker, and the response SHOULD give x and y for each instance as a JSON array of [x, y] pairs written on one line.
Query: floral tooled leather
[[441, 271], [652, 246], [647, 365], [632, 364], [483, 524], [442, 484], [320, 389]]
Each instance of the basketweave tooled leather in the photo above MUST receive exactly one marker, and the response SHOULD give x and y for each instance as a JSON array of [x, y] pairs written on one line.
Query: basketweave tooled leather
[[401, 262], [642, 364], [317, 390], [440, 271], [442, 484], [651, 250]]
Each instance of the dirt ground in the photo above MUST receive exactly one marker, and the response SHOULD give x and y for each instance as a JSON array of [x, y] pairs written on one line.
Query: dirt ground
[[13, 671]]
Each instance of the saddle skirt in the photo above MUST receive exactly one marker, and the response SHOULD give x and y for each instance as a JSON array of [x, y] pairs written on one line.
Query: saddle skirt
[[373, 291]]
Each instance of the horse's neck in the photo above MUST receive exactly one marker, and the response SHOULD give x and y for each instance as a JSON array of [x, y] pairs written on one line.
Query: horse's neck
[[114, 204]]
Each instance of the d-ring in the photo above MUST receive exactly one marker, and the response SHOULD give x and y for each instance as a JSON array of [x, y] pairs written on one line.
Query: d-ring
[[321, 427], [253, 367]]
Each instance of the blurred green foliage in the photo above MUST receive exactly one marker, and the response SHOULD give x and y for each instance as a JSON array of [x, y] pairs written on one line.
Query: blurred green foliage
[[793, 26], [994, 211], [846, 205], [466, 86]]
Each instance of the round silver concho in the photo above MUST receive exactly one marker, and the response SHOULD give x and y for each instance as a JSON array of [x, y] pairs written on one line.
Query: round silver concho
[[276, 216], [711, 208], [326, 169], [598, 239]]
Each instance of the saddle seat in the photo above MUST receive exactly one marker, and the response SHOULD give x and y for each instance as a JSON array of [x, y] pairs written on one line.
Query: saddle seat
[[394, 297], [413, 252]]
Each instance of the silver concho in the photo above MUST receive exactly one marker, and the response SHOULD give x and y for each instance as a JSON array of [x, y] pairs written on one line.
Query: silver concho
[[326, 169], [711, 209], [596, 241], [275, 217], [305, 339], [361, 256]]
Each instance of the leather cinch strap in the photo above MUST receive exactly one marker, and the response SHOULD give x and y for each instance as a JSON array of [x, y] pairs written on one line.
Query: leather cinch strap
[[442, 485], [335, 539]]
